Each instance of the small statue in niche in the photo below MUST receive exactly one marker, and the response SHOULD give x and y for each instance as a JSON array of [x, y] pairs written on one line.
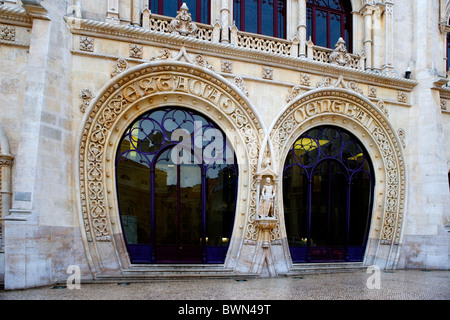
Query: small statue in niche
[[267, 199]]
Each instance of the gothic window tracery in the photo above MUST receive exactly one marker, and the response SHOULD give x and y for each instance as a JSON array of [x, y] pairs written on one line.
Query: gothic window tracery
[[328, 20], [267, 17]]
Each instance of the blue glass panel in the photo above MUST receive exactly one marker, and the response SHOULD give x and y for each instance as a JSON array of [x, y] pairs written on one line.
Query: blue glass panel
[[205, 11], [192, 5], [308, 23], [321, 28], [335, 28], [154, 7], [267, 17], [281, 19], [170, 8], [251, 16], [237, 13]]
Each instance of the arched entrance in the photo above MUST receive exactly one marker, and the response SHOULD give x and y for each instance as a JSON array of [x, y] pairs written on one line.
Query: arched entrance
[[177, 185], [327, 192], [129, 97]]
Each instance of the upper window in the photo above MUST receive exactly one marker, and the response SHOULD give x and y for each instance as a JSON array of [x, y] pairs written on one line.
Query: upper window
[[266, 17], [199, 9], [328, 20]]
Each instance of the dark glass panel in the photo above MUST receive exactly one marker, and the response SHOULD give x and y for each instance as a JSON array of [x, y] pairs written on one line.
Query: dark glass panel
[[192, 5], [221, 189], [295, 200], [321, 28], [251, 16], [133, 181], [166, 203], [335, 28], [190, 224], [237, 13], [360, 207], [281, 28], [339, 213], [267, 21], [170, 8]]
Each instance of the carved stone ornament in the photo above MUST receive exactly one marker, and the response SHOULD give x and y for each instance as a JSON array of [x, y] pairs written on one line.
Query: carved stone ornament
[[340, 55], [7, 33], [201, 61], [182, 24], [86, 97], [239, 82], [294, 92], [87, 44], [136, 51], [120, 66], [164, 54], [402, 137], [227, 66]]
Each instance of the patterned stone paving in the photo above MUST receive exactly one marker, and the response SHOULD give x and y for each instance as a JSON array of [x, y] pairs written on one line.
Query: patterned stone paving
[[395, 285]]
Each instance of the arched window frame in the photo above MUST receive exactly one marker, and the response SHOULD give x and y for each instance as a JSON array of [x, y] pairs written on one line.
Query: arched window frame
[[346, 22], [309, 170], [199, 156], [279, 17]]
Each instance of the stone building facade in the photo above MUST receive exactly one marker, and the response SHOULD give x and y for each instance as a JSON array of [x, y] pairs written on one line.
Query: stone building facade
[[77, 77]]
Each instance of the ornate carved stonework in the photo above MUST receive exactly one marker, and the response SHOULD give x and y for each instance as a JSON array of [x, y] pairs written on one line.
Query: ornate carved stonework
[[136, 51], [305, 79], [86, 97], [182, 24], [161, 79], [267, 73], [7, 33], [164, 54], [341, 105], [340, 55], [86, 44], [402, 136], [293, 93], [120, 66], [227, 66], [402, 96], [239, 82]]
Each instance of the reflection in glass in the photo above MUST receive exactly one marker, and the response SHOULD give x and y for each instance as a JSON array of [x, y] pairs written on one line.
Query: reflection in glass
[[327, 196], [175, 205]]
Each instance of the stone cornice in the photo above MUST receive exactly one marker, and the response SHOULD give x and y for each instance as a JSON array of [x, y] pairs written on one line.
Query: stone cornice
[[172, 41], [14, 16]]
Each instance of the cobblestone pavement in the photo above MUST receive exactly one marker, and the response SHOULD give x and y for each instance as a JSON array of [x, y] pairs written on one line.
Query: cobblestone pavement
[[395, 285]]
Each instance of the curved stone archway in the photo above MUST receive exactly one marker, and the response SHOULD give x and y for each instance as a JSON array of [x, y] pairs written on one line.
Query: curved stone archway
[[120, 102], [342, 108]]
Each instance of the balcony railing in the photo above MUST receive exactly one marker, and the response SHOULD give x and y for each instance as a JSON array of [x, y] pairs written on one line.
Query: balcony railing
[[257, 42]]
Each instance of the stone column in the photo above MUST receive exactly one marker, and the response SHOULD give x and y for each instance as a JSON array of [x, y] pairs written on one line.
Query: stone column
[[377, 59], [301, 29], [389, 34], [136, 13], [225, 21], [367, 12], [112, 13]]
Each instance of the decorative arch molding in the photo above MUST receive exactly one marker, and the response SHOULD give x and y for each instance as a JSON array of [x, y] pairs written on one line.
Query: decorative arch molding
[[351, 111], [117, 105]]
